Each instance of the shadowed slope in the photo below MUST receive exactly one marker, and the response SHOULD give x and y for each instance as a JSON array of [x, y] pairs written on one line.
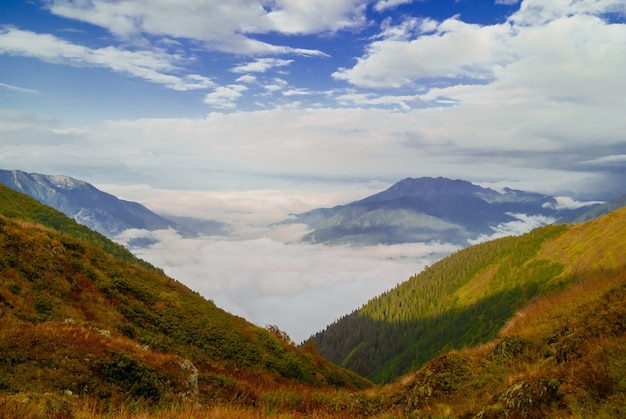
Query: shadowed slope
[[80, 321]]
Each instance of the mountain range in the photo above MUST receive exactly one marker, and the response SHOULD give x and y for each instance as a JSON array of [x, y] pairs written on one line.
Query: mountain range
[[523, 326], [427, 209], [412, 210], [98, 210]]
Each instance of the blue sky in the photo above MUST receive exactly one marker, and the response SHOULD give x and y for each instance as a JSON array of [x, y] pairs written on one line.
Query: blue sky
[[190, 94], [159, 71], [249, 110]]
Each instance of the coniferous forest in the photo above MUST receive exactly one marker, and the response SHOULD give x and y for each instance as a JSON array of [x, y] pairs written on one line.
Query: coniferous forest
[[463, 300]]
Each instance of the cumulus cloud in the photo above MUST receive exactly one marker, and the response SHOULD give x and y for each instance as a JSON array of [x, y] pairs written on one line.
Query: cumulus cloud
[[261, 65], [247, 78], [314, 16], [155, 66], [383, 5], [542, 52], [404, 102], [225, 96], [457, 50], [223, 26]]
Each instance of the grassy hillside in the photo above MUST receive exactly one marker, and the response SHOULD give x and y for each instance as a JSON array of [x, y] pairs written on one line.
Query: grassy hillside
[[15, 205], [81, 323], [561, 355]]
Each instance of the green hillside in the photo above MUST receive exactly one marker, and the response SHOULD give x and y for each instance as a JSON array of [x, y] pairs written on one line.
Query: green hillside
[[463, 300], [15, 205], [563, 355], [83, 319]]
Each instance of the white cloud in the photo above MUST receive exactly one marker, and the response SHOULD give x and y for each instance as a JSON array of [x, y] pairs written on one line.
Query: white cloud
[[456, 50], [224, 26], [542, 53], [225, 96], [260, 271], [297, 92], [537, 12], [314, 16], [565, 202], [276, 85], [251, 210], [301, 288], [247, 78], [18, 89], [516, 144], [155, 66], [523, 223], [404, 102], [261, 65], [383, 5]]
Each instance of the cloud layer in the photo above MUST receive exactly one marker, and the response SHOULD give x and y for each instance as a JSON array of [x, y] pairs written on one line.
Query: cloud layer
[[301, 288]]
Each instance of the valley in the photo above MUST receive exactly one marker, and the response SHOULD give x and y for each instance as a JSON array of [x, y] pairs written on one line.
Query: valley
[[514, 326]]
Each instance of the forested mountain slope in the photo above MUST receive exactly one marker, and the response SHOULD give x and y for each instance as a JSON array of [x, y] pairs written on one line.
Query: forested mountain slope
[[466, 298], [79, 320], [562, 355]]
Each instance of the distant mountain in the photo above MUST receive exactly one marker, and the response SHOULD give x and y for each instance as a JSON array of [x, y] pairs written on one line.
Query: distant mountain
[[425, 209], [98, 210], [594, 211]]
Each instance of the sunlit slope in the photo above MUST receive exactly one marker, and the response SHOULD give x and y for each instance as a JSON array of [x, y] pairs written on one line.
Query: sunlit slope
[[78, 320], [466, 298], [561, 355]]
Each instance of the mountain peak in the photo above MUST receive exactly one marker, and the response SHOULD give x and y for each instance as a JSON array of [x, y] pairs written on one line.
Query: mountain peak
[[64, 182], [426, 187], [85, 203], [430, 209]]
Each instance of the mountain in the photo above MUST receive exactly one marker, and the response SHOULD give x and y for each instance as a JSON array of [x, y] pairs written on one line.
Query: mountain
[[594, 211], [423, 210], [561, 355], [91, 207], [90, 331], [468, 297], [82, 325]]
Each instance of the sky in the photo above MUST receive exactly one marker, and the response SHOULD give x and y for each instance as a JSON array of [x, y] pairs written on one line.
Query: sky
[[249, 110]]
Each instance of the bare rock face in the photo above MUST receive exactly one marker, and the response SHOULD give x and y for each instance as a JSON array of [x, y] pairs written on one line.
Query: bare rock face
[[192, 379]]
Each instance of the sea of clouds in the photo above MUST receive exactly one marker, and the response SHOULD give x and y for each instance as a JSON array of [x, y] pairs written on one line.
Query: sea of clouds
[[262, 272]]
